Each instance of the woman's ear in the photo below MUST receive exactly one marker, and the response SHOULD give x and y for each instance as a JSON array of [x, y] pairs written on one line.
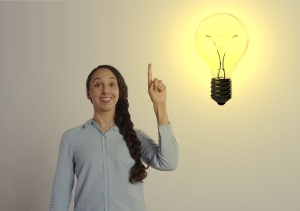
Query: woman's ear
[[88, 95]]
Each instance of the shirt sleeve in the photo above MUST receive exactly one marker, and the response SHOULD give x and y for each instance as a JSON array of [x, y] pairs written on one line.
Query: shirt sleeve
[[163, 156], [64, 177]]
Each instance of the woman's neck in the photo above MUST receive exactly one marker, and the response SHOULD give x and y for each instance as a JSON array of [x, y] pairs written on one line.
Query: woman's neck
[[104, 120]]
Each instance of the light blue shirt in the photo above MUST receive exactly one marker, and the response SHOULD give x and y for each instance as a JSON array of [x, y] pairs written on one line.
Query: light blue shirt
[[102, 164]]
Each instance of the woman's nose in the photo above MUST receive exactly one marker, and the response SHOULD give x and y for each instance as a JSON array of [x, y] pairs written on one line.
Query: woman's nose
[[105, 89]]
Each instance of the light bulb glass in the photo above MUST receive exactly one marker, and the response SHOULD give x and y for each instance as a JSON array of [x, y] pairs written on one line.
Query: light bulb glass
[[221, 40]]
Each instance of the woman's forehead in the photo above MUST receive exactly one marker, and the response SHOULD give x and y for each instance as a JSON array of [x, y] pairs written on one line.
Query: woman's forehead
[[103, 73]]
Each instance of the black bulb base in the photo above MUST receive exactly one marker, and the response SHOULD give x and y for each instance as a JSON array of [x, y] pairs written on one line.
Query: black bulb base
[[220, 90]]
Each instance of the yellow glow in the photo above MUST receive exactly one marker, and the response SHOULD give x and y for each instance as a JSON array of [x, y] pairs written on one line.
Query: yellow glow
[[221, 40]]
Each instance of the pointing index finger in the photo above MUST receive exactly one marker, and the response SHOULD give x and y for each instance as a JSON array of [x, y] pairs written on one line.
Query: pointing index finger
[[149, 74]]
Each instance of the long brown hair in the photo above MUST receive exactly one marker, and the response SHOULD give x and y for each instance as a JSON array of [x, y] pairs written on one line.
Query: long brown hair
[[125, 125]]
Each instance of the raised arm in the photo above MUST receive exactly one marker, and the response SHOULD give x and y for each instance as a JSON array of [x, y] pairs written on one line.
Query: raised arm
[[164, 155]]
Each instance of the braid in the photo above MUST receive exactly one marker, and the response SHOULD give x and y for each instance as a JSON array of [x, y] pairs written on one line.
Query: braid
[[122, 119], [125, 125]]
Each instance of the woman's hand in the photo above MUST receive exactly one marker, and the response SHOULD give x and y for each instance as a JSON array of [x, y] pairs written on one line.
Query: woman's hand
[[158, 94], [156, 89]]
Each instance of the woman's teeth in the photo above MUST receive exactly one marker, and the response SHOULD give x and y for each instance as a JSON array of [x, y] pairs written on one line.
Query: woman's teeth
[[105, 99]]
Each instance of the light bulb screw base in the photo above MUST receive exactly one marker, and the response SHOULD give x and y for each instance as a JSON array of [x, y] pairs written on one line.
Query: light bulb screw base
[[220, 90]]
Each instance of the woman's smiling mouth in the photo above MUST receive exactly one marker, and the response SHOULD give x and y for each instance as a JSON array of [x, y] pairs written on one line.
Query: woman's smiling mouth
[[105, 99]]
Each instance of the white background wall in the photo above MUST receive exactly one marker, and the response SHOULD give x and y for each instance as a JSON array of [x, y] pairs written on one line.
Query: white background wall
[[243, 156]]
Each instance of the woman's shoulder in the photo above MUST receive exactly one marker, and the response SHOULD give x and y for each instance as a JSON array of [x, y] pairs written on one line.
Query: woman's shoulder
[[77, 129], [141, 134], [138, 131]]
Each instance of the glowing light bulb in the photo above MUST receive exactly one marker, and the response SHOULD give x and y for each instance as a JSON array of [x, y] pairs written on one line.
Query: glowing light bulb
[[221, 40]]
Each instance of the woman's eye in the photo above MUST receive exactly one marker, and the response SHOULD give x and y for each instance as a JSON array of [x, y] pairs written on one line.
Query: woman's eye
[[112, 84], [97, 85]]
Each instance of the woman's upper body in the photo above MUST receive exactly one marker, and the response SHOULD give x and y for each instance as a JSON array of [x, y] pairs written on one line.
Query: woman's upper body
[[102, 164], [106, 153]]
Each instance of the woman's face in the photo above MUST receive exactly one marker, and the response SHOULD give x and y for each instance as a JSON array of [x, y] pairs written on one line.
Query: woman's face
[[104, 90]]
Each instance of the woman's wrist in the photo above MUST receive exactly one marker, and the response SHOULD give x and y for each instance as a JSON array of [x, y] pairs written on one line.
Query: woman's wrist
[[161, 113]]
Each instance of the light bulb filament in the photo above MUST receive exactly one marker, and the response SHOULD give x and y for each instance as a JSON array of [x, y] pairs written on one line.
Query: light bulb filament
[[221, 62]]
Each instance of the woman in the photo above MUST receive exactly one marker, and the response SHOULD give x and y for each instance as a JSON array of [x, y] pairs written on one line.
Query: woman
[[106, 153]]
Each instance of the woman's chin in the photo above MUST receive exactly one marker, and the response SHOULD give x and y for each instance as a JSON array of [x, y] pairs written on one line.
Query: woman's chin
[[106, 108]]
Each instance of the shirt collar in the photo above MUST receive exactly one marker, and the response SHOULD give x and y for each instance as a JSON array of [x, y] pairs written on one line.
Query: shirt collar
[[89, 123]]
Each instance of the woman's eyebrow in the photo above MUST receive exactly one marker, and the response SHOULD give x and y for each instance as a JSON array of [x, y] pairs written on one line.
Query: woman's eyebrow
[[109, 78]]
